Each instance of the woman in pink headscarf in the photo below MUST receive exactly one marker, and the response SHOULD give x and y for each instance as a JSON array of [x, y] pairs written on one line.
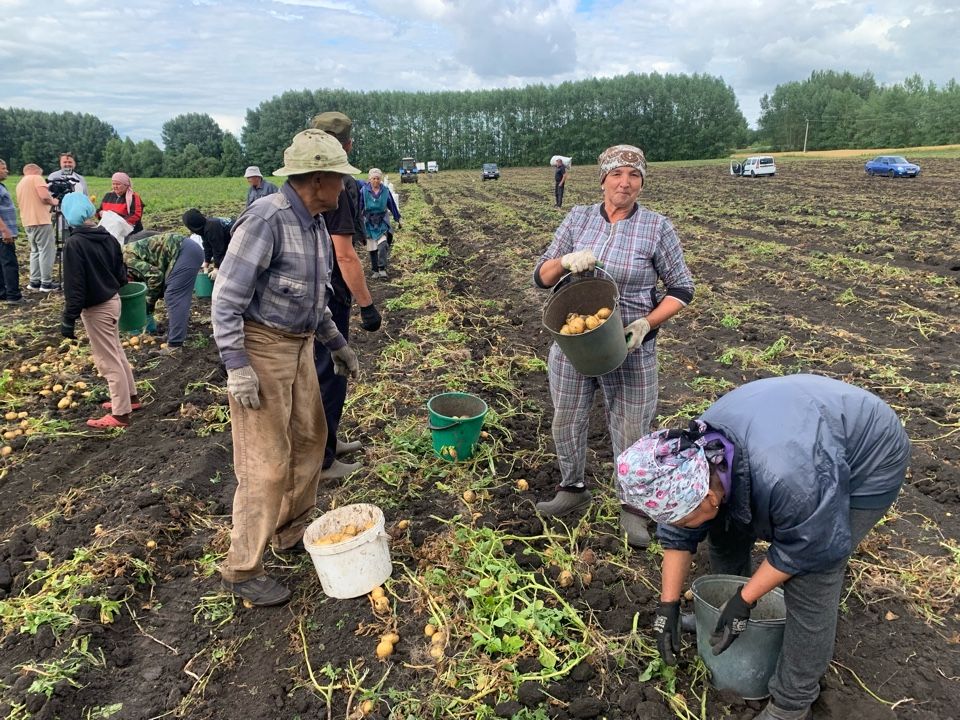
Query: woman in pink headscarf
[[123, 201]]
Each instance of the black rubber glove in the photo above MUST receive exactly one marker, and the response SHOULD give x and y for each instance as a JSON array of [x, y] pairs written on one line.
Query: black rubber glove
[[666, 628], [399, 225], [370, 318], [733, 621], [68, 329]]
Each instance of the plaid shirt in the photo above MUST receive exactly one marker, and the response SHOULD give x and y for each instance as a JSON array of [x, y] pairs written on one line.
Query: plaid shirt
[[276, 273], [635, 252]]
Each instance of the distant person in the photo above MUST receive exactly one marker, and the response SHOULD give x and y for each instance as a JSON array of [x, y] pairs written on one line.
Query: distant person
[[258, 186], [345, 225], [35, 202], [377, 201], [9, 266], [168, 263], [123, 201], [265, 333], [560, 181], [93, 273], [68, 172], [214, 232]]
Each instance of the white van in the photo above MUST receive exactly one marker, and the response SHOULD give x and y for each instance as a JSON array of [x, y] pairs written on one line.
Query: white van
[[754, 166], [432, 166]]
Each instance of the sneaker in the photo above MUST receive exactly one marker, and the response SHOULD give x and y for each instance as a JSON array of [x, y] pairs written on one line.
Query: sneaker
[[635, 528], [262, 591], [107, 422], [50, 287], [772, 712], [14, 301], [383, 274], [339, 470], [348, 447], [109, 405], [34, 287], [564, 503]]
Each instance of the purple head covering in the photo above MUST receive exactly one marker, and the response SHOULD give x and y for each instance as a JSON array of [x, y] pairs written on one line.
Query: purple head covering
[[664, 476]]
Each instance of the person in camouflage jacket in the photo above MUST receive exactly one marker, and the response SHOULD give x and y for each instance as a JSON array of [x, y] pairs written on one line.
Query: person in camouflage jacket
[[167, 263]]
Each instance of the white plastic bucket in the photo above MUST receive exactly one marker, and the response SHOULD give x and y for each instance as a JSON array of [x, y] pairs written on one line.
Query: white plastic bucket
[[356, 566]]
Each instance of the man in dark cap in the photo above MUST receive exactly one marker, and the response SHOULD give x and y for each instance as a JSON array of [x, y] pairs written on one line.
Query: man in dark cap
[[214, 232], [345, 225]]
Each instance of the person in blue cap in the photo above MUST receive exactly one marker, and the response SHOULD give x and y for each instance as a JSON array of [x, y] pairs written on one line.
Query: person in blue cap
[[93, 273]]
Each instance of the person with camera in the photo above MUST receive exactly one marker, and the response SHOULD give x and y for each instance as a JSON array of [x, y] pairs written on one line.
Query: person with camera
[[35, 201], [68, 173], [123, 201]]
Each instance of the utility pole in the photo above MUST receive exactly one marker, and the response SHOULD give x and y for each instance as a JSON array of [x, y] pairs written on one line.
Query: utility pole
[[806, 130]]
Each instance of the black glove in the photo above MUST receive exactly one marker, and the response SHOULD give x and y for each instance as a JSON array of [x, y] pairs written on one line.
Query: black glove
[[733, 620], [68, 329], [666, 628], [370, 318], [399, 225]]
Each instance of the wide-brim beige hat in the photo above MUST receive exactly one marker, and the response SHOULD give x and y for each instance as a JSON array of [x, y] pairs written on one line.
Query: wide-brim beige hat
[[315, 150]]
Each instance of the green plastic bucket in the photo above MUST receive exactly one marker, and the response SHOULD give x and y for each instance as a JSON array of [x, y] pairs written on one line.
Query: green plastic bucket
[[203, 286], [133, 307], [456, 420]]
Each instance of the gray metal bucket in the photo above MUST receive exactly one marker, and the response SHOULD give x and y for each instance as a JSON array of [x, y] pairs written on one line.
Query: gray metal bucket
[[747, 665], [595, 352]]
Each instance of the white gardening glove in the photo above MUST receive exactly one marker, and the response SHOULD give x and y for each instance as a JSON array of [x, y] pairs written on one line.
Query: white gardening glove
[[212, 274], [244, 385], [578, 262], [345, 362], [635, 332]]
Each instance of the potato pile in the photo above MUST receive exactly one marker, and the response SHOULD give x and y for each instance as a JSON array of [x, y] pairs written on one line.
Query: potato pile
[[578, 324], [345, 533]]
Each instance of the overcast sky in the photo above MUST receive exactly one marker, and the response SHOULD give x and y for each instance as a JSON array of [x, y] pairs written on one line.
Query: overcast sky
[[137, 65]]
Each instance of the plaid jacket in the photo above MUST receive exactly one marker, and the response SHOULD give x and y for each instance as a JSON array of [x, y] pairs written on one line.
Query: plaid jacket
[[276, 273]]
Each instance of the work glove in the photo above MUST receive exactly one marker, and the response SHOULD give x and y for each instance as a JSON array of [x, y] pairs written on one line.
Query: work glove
[[151, 324], [244, 385], [666, 629], [345, 362], [399, 225], [212, 274], [370, 318], [733, 620], [578, 262], [635, 332], [68, 329]]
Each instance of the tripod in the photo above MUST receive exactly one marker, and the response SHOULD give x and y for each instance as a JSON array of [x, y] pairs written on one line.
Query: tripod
[[59, 224]]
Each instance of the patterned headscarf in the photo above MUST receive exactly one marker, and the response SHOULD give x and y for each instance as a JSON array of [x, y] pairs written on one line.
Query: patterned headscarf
[[622, 156], [124, 179], [664, 474]]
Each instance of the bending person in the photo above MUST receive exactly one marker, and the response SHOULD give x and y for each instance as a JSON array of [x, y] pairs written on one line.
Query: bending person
[[638, 249], [807, 463]]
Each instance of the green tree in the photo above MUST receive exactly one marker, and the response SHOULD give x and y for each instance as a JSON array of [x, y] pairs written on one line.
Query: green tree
[[231, 156], [149, 159], [198, 129]]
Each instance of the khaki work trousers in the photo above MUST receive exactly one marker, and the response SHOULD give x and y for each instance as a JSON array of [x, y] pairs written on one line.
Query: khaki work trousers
[[277, 450], [100, 322]]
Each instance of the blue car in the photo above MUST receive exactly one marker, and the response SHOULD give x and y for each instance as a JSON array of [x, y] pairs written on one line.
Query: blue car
[[892, 166]]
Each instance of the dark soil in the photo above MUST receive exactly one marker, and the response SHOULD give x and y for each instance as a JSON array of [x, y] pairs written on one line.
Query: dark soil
[[772, 254]]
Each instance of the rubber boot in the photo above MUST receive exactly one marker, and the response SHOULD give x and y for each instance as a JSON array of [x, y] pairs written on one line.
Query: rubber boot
[[348, 447], [338, 470], [635, 528], [772, 712], [564, 503]]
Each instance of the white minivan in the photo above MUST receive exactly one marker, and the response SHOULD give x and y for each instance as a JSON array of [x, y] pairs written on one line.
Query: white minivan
[[754, 166]]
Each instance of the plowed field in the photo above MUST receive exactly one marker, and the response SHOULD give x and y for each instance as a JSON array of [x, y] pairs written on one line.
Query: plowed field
[[109, 596]]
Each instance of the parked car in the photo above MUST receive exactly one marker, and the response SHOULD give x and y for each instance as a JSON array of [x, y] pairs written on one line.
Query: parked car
[[490, 171], [432, 166], [754, 166], [892, 166]]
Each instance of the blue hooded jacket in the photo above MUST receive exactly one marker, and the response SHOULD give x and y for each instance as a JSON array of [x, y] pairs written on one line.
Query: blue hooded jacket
[[807, 449]]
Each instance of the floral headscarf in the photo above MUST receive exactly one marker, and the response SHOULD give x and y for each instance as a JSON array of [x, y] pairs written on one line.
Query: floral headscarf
[[664, 475], [124, 179], [622, 156]]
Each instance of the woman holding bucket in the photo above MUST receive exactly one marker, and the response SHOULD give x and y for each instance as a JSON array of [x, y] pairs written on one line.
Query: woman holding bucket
[[638, 248], [809, 464]]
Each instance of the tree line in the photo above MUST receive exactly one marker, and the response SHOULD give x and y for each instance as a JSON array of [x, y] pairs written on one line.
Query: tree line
[[672, 117], [839, 110]]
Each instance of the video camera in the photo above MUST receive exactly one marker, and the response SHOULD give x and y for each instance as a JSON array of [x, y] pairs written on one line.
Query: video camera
[[64, 185]]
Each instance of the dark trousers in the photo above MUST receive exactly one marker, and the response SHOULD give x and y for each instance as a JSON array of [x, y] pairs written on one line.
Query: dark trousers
[[179, 291], [9, 272], [558, 192], [333, 387]]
